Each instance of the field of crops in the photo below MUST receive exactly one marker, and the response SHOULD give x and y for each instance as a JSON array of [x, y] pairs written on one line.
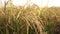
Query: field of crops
[[29, 20]]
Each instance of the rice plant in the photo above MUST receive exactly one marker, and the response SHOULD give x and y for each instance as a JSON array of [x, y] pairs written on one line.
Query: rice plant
[[29, 20]]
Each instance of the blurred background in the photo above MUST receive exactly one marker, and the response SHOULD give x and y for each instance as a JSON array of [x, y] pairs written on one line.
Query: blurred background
[[40, 3]]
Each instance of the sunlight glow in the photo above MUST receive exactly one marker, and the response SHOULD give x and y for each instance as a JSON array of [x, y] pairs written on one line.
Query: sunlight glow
[[40, 3], [19, 2]]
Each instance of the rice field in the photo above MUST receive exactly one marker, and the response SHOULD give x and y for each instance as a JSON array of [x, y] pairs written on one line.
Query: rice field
[[29, 20]]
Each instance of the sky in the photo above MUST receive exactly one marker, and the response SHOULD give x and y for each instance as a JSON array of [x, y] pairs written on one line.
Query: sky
[[40, 3]]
